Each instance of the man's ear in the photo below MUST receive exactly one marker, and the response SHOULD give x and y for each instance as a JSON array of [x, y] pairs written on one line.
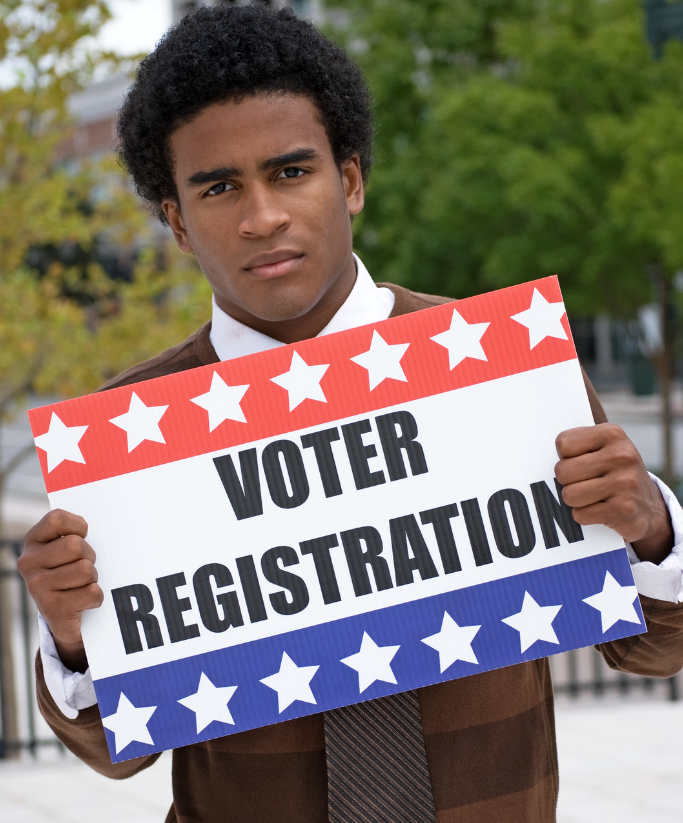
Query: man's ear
[[175, 221], [352, 180]]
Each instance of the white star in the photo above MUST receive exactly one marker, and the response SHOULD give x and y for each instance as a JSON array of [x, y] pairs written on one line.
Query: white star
[[222, 402], [533, 622], [614, 603], [543, 319], [302, 381], [462, 340], [129, 723], [372, 662], [291, 683], [453, 642], [141, 422], [60, 442], [383, 361], [210, 703]]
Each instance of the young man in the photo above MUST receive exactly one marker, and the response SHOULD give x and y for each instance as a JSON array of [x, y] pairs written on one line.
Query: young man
[[250, 135]]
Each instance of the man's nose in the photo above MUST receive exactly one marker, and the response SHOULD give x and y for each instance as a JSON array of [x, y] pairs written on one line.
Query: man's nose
[[262, 213]]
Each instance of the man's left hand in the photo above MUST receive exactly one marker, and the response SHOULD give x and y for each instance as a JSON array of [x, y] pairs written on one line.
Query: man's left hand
[[605, 481]]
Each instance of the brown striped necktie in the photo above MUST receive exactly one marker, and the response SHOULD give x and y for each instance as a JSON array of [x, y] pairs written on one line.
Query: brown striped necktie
[[376, 763]]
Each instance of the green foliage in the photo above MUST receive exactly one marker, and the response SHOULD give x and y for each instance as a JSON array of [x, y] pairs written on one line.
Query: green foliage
[[65, 329], [50, 343], [520, 139]]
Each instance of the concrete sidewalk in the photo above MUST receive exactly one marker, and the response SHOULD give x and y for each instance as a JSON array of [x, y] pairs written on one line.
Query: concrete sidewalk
[[619, 762], [62, 790]]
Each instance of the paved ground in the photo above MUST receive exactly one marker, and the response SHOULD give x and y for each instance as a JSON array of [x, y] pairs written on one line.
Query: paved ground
[[619, 763], [61, 790]]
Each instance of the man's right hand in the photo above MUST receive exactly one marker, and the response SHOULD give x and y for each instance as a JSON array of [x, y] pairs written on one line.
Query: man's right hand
[[59, 569]]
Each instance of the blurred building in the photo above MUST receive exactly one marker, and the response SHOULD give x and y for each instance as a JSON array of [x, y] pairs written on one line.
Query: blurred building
[[94, 112], [94, 109]]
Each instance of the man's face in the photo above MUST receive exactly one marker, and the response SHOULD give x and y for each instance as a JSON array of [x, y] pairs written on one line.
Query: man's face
[[265, 209]]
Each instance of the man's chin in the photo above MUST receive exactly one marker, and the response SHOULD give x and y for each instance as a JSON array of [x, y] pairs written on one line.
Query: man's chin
[[277, 308], [281, 301], [282, 313]]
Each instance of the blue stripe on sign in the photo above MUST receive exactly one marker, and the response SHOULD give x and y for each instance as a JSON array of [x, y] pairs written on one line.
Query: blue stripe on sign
[[335, 684]]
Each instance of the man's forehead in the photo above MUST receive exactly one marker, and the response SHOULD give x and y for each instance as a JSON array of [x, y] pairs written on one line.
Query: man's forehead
[[249, 133]]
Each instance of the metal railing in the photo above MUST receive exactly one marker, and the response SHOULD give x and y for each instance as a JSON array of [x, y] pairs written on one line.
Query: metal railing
[[583, 673], [577, 675], [21, 727]]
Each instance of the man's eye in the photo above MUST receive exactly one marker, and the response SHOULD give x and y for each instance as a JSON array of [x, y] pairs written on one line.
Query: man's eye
[[290, 173], [219, 188]]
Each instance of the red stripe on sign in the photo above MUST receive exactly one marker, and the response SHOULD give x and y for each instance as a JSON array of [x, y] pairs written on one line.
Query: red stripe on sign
[[162, 424]]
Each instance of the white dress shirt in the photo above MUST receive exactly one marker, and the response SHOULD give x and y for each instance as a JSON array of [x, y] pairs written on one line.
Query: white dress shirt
[[366, 303]]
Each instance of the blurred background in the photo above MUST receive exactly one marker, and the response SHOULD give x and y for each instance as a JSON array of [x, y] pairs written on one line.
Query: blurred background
[[515, 139]]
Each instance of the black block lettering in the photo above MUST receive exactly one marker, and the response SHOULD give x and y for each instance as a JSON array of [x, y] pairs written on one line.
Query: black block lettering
[[208, 602], [244, 496], [321, 443], [550, 512], [476, 532], [174, 607], [274, 573], [320, 549], [251, 588], [129, 617], [360, 454], [500, 524], [440, 518], [393, 442], [294, 464], [404, 530], [358, 560]]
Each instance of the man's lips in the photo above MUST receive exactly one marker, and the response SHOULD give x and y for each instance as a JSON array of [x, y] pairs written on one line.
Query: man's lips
[[274, 264]]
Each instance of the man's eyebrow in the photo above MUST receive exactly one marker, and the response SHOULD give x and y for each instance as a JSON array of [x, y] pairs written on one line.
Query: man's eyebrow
[[200, 178], [290, 159]]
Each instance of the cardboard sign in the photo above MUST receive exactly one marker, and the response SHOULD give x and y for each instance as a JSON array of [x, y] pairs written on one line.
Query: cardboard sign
[[335, 520]]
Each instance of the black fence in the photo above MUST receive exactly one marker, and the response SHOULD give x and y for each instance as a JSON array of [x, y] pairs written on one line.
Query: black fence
[[577, 675], [22, 728], [584, 673]]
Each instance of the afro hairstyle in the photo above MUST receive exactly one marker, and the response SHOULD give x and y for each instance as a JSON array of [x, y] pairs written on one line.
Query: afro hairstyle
[[227, 53]]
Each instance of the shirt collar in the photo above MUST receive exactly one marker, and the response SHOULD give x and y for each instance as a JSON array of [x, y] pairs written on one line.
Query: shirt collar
[[365, 304]]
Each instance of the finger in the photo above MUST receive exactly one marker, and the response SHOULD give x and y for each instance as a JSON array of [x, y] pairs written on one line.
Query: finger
[[571, 470], [585, 439], [61, 607], [59, 552], [617, 513], [595, 514], [64, 578], [90, 597], [587, 492], [55, 524]]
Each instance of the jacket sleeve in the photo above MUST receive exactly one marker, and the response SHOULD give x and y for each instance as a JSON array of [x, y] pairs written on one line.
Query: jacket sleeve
[[659, 652], [84, 736]]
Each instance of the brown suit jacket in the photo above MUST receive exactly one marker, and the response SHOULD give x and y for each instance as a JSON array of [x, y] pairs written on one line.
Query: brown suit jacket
[[490, 738]]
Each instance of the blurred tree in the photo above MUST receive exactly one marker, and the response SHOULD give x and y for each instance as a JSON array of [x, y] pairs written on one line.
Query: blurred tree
[[65, 326], [521, 139]]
